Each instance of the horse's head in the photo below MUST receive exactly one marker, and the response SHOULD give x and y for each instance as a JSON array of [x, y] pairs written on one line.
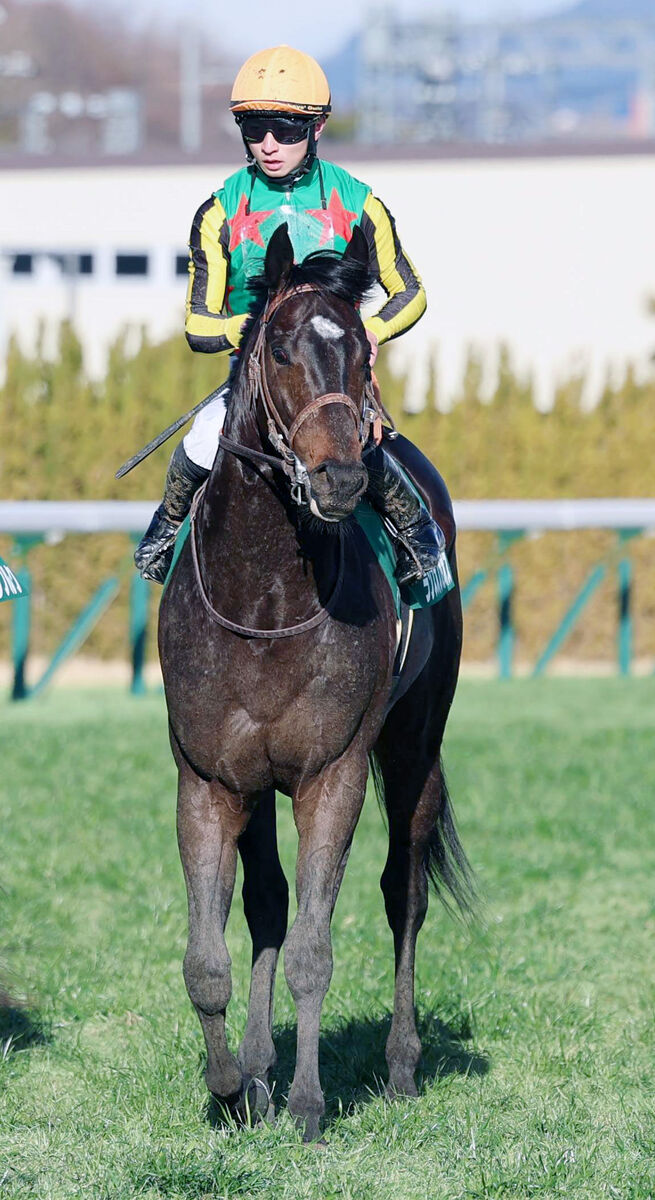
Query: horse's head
[[311, 364]]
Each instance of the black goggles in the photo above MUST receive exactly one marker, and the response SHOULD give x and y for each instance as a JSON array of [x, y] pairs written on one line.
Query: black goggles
[[286, 130]]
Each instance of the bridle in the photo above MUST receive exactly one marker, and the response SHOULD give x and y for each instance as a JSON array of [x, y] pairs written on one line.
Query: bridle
[[282, 438], [280, 435]]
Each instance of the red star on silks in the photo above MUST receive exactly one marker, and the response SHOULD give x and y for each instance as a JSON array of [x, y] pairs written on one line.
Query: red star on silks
[[244, 226], [336, 219]]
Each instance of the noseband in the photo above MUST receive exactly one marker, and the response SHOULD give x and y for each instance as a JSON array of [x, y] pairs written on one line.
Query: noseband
[[281, 436]]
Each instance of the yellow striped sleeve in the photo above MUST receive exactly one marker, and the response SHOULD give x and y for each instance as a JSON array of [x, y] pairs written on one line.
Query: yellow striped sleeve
[[208, 328], [406, 295]]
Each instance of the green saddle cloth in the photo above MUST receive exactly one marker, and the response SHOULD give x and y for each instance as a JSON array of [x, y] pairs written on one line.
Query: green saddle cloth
[[427, 591], [182, 535], [422, 594]]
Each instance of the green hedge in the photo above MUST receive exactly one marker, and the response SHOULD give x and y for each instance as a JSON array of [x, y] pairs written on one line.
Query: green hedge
[[64, 437]]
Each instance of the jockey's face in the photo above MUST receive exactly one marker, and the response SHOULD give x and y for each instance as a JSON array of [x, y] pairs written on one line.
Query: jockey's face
[[278, 160]]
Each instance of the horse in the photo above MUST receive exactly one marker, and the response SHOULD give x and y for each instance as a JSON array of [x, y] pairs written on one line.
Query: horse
[[277, 640]]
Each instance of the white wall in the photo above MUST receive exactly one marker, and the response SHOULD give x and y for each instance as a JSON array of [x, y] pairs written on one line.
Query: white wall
[[556, 257]]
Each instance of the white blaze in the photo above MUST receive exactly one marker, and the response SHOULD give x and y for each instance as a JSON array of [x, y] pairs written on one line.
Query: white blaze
[[327, 328]]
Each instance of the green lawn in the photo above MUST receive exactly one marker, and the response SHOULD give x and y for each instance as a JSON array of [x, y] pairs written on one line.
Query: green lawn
[[538, 1069]]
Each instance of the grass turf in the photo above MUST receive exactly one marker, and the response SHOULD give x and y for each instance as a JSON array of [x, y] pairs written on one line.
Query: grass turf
[[538, 1072]]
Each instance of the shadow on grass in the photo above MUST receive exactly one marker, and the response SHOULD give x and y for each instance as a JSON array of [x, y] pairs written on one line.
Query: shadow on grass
[[19, 1027], [353, 1064]]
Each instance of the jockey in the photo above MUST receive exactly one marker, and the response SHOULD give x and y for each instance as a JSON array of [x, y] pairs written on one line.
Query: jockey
[[281, 101]]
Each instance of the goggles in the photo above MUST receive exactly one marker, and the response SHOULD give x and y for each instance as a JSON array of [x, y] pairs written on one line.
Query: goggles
[[286, 130]]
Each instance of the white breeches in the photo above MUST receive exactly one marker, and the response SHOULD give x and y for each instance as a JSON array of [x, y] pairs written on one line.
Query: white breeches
[[201, 442]]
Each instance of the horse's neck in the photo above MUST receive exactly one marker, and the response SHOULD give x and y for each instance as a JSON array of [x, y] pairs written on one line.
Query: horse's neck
[[250, 554]]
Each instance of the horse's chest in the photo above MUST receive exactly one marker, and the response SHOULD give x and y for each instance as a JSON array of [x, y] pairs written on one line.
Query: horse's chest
[[278, 716]]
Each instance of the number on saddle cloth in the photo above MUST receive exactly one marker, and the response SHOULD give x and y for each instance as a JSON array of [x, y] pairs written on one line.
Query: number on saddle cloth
[[10, 587], [426, 591]]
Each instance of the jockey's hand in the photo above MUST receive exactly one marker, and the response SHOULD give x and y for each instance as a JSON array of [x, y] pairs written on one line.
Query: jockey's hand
[[374, 346]]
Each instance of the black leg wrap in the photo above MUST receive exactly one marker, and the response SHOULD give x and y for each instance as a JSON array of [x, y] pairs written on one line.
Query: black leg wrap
[[419, 541], [154, 553]]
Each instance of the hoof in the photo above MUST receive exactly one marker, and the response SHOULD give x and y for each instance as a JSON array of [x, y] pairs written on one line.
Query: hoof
[[309, 1128], [255, 1103], [225, 1083], [223, 1110], [401, 1088]]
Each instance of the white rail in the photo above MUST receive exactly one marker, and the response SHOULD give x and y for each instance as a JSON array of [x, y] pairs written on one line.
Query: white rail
[[133, 516]]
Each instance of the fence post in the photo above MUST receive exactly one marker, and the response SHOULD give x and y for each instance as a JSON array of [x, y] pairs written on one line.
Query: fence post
[[505, 628], [139, 605], [506, 633], [625, 626], [21, 620]]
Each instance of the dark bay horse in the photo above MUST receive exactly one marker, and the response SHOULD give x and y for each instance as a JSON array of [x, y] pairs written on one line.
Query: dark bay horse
[[277, 643]]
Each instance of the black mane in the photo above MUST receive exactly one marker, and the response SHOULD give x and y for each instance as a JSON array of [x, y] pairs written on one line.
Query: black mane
[[346, 278]]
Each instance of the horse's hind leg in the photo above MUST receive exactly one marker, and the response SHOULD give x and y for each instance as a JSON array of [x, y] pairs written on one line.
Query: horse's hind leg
[[208, 826], [422, 838], [412, 807], [266, 905]]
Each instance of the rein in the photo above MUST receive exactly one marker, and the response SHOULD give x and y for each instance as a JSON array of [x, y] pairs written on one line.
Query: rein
[[245, 630]]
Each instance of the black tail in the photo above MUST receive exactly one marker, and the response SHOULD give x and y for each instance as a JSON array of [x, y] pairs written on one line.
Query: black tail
[[448, 868]]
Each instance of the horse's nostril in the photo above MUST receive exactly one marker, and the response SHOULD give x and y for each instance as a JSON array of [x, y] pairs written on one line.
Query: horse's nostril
[[342, 481]]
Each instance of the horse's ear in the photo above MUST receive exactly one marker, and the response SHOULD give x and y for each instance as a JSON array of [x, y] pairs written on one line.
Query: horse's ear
[[357, 248], [279, 259]]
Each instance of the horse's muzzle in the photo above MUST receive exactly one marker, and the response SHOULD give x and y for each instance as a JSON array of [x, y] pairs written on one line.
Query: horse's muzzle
[[337, 488]]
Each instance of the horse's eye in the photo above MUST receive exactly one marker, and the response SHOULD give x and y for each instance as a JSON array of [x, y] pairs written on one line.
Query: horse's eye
[[280, 356]]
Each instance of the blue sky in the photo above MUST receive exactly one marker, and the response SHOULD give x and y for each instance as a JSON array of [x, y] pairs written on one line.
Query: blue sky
[[318, 27]]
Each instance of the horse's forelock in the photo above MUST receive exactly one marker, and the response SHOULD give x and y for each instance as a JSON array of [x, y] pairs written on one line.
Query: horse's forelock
[[345, 278]]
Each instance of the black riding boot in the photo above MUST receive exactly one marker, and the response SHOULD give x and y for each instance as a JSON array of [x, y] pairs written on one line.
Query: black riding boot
[[418, 541], [154, 553]]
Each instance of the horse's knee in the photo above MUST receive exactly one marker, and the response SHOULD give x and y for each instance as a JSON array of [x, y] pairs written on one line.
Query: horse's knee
[[307, 961], [208, 982]]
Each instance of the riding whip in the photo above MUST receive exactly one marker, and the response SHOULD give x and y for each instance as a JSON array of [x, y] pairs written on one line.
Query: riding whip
[[167, 433]]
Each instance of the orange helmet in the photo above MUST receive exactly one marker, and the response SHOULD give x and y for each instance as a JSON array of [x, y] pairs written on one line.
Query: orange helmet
[[281, 80]]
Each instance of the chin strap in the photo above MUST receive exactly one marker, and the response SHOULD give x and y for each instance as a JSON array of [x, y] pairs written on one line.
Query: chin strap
[[303, 168]]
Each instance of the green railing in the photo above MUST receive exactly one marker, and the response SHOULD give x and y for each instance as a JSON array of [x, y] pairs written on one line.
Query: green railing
[[617, 560], [33, 522]]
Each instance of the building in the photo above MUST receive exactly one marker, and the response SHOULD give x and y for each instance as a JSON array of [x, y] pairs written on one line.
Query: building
[[586, 72], [551, 253]]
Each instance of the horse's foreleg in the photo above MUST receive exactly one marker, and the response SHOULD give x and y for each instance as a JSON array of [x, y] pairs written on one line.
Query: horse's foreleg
[[412, 806], [326, 812], [208, 826], [266, 904]]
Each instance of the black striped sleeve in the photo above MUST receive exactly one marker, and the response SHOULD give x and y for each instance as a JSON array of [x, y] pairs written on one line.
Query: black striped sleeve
[[406, 295], [208, 328]]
